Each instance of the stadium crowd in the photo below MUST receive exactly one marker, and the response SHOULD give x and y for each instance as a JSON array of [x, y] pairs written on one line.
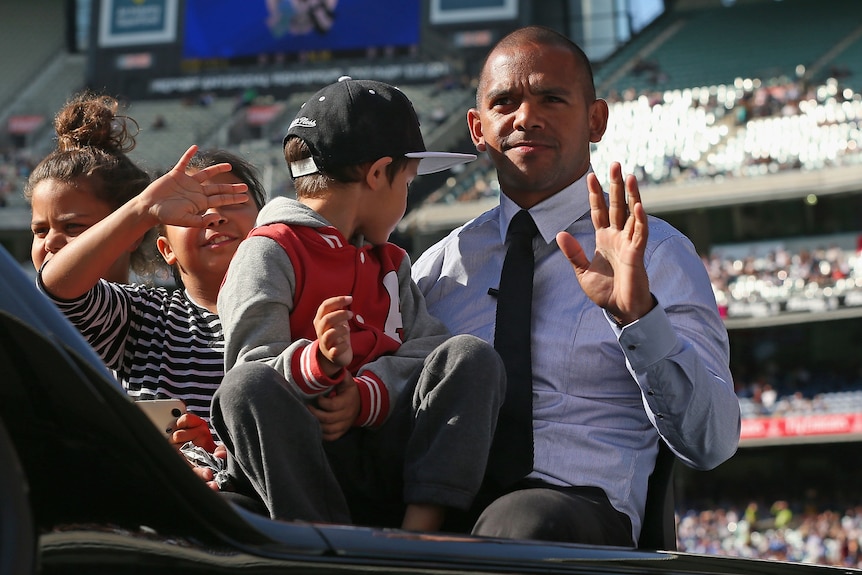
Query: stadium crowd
[[778, 279], [787, 531], [15, 167], [783, 392], [738, 130]]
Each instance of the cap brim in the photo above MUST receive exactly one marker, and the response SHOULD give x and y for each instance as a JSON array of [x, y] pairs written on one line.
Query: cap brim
[[431, 162]]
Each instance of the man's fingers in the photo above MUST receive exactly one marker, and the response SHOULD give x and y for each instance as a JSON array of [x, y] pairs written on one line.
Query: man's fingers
[[633, 194], [598, 209], [619, 210], [573, 251], [636, 225], [640, 233]]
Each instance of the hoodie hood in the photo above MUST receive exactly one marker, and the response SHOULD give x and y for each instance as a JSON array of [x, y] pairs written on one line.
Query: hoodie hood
[[289, 211]]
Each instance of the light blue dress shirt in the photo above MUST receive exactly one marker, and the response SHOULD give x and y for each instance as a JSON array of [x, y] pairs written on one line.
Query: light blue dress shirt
[[600, 392]]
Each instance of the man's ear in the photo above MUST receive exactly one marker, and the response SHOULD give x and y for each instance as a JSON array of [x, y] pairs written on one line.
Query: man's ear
[[164, 247], [475, 126], [376, 174], [598, 119]]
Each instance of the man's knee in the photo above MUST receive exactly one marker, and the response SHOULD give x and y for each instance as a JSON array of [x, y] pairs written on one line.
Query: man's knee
[[547, 515], [525, 514]]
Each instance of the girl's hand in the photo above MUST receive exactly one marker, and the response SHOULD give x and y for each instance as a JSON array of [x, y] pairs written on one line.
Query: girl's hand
[[182, 199], [191, 427]]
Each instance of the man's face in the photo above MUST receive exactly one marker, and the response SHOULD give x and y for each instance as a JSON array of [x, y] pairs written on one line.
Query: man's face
[[536, 119]]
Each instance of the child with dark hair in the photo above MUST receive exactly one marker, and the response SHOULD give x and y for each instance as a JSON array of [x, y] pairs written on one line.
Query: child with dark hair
[[161, 343], [344, 400], [91, 176]]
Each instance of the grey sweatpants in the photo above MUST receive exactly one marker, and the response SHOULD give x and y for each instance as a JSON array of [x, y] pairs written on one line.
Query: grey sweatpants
[[432, 449]]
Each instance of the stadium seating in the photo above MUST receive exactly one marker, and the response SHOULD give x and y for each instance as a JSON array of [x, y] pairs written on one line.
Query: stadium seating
[[724, 38], [23, 53], [184, 123]]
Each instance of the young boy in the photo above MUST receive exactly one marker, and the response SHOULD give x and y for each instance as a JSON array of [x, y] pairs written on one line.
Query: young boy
[[344, 399]]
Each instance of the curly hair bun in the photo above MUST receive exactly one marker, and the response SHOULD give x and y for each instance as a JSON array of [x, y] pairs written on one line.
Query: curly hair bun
[[92, 120]]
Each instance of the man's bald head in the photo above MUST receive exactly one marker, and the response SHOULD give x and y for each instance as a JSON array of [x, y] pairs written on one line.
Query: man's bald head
[[538, 36]]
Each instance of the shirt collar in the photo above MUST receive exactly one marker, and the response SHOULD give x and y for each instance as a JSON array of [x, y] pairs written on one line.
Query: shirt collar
[[195, 303], [554, 214]]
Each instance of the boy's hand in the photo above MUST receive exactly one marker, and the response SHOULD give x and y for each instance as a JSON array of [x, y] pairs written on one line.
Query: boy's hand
[[191, 427], [333, 334], [337, 410], [182, 199]]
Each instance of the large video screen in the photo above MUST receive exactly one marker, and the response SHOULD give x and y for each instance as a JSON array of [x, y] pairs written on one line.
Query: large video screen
[[242, 28]]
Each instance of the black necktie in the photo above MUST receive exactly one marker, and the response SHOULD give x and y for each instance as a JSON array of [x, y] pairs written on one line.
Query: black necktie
[[511, 457]]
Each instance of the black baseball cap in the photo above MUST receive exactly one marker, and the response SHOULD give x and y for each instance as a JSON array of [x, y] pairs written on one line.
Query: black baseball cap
[[355, 121]]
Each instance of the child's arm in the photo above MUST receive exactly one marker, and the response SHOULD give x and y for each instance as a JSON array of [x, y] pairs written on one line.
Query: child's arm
[[337, 410], [173, 199]]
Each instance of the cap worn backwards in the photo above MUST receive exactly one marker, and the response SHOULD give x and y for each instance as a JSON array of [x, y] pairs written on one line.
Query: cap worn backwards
[[355, 121]]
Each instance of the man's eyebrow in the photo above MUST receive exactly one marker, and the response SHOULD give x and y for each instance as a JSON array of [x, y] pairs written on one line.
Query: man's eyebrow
[[497, 92], [553, 90]]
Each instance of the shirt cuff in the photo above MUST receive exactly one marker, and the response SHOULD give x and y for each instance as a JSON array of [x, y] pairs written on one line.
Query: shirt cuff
[[308, 374], [373, 400], [646, 340]]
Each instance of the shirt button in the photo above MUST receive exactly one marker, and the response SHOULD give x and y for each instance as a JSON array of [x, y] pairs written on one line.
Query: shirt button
[[632, 347], [650, 392], [660, 415], [359, 319], [362, 257]]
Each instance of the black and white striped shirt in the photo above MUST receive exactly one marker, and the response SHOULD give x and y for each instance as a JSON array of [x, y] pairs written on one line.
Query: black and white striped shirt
[[159, 343]]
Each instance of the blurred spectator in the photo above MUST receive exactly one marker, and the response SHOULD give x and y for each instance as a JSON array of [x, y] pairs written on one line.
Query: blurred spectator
[[159, 122], [810, 279], [802, 533]]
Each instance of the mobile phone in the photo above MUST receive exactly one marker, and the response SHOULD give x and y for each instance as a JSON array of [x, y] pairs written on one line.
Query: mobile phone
[[163, 412]]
